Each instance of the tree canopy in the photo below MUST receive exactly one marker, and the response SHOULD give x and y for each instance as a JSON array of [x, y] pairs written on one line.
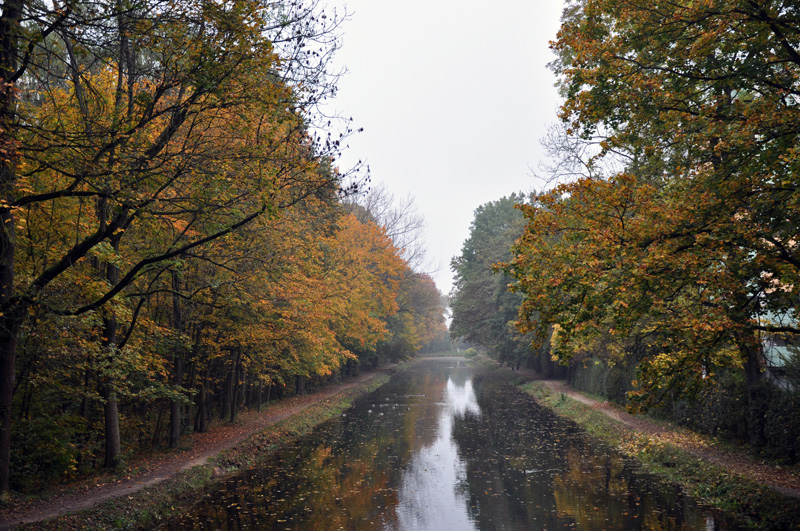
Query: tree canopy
[[690, 243], [482, 307], [173, 237]]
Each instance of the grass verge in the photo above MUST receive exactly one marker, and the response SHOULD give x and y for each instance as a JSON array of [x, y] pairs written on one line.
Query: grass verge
[[755, 505], [146, 508]]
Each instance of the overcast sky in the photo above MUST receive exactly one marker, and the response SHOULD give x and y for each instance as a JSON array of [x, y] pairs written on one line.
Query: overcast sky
[[454, 97]]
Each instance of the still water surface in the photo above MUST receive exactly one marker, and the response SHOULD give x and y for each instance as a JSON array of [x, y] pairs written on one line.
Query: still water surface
[[439, 449]]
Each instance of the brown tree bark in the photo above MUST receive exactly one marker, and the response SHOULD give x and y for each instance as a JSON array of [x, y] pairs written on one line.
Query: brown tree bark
[[175, 406], [108, 389], [752, 351], [177, 379], [237, 370], [11, 311]]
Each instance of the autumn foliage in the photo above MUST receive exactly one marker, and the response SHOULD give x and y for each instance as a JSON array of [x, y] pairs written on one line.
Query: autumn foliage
[[678, 249], [174, 242]]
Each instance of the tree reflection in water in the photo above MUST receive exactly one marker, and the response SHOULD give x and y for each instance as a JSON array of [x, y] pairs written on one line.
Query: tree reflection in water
[[528, 469], [431, 496], [438, 450]]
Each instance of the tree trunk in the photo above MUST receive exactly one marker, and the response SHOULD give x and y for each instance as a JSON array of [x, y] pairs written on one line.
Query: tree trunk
[[111, 425], [159, 423], [8, 352], [190, 408], [109, 394], [109, 391], [175, 407], [12, 313], [751, 350], [83, 411], [209, 412], [177, 380], [237, 369], [195, 371], [227, 394], [202, 424], [246, 400]]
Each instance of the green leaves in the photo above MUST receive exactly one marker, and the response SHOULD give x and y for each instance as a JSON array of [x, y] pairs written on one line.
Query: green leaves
[[682, 250], [481, 305]]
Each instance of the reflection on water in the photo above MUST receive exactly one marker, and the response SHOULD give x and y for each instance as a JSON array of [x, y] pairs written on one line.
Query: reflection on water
[[430, 497], [460, 395], [436, 449]]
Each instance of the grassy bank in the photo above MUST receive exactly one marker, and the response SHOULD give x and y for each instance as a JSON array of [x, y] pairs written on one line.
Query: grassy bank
[[148, 507], [755, 505]]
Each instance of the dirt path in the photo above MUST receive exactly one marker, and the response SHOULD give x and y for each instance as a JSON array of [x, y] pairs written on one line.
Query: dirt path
[[781, 479], [87, 494]]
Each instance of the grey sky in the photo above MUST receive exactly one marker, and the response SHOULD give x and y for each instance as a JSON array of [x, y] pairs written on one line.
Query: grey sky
[[453, 96]]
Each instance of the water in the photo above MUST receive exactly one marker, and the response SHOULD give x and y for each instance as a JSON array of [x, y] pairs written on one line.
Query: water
[[439, 449]]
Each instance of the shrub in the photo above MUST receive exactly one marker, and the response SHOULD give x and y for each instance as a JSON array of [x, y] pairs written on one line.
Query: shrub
[[44, 452]]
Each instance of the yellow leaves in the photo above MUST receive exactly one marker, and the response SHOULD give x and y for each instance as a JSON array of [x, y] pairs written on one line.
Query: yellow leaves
[[23, 185], [321, 293], [608, 267]]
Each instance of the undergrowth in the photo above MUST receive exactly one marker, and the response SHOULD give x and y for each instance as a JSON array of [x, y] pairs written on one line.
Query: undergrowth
[[146, 508]]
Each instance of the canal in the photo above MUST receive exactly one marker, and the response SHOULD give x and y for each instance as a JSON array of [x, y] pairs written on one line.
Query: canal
[[441, 448]]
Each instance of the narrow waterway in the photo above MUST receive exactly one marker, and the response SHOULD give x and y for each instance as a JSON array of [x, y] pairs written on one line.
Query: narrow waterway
[[438, 448]]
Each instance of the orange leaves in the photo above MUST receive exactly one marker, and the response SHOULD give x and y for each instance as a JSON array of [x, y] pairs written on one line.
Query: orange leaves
[[608, 266], [684, 246], [310, 293], [368, 269]]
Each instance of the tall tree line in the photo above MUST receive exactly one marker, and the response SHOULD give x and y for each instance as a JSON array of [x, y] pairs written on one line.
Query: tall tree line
[[483, 310], [677, 246], [173, 245]]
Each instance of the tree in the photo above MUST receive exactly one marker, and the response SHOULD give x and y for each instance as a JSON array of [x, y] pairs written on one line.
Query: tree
[[368, 270], [483, 309], [420, 313], [419, 318], [114, 112], [586, 268], [696, 235], [399, 218]]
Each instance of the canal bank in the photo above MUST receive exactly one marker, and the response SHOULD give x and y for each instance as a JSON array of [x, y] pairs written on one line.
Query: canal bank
[[761, 495], [444, 447], [140, 496], [504, 460]]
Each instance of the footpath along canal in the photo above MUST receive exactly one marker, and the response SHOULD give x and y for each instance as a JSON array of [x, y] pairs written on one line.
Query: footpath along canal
[[441, 447]]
